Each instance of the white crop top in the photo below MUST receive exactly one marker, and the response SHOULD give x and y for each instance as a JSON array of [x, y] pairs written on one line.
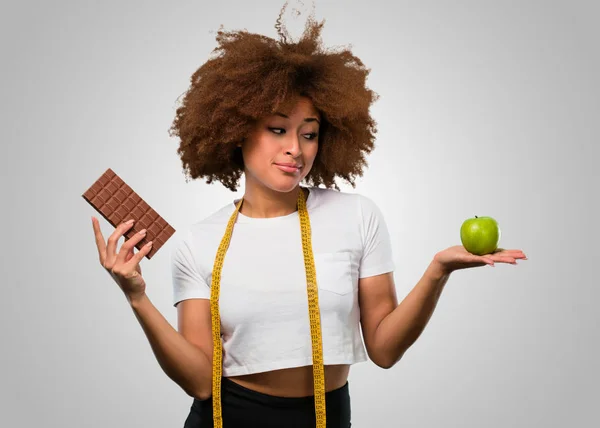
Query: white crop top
[[263, 300]]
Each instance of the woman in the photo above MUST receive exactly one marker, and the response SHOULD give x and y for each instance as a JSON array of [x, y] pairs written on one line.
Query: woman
[[283, 280]]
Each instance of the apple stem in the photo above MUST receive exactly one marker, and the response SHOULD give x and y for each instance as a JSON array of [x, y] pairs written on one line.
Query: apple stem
[[475, 216]]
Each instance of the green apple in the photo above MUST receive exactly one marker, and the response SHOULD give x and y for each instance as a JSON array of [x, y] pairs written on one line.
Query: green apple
[[480, 235]]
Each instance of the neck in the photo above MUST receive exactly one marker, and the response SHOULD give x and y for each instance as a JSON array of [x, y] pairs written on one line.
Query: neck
[[262, 202]]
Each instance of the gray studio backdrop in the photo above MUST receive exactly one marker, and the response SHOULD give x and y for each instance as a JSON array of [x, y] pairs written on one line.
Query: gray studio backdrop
[[486, 108]]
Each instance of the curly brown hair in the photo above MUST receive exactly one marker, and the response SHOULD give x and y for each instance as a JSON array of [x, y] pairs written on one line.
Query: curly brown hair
[[250, 76]]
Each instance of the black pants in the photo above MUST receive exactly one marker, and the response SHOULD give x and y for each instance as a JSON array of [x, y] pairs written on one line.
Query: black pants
[[242, 407]]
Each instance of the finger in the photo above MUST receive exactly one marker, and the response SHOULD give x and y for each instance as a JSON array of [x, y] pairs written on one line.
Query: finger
[[519, 254], [111, 247], [137, 258], [128, 246], [483, 259], [509, 256], [511, 253], [129, 255], [475, 260], [100, 244], [504, 259], [469, 260]]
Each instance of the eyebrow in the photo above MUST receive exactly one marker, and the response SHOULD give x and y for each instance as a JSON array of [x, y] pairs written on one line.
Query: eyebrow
[[308, 119]]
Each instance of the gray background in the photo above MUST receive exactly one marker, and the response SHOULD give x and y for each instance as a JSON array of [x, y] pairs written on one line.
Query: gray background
[[486, 108]]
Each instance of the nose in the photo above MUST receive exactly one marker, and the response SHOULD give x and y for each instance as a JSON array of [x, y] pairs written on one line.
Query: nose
[[292, 145]]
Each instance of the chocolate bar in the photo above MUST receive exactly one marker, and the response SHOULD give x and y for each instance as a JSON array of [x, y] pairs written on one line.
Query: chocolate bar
[[117, 203]]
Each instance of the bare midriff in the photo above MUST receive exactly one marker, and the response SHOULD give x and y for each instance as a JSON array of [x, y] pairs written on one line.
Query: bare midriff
[[294, 382]]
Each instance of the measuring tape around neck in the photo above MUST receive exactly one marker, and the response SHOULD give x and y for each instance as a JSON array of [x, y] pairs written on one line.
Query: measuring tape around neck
[[313, 312]]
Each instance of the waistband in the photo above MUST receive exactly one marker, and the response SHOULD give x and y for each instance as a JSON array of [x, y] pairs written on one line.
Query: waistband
[[234, 391]]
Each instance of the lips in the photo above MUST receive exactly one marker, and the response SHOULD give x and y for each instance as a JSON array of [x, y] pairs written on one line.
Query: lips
[[289, 167], [295, 165]]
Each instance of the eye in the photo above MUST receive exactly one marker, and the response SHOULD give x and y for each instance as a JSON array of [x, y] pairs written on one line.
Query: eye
[[281, 131]]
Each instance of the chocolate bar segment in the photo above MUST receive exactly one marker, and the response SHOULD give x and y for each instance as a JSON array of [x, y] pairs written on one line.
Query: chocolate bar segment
[[117, 203]]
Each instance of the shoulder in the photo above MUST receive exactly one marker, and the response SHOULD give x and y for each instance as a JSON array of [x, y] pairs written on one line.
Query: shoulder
[[325, 197], [204, 231], [218, 217], [351, 202]]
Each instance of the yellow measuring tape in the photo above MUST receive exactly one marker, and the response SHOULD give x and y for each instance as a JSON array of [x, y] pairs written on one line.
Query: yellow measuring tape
[[313, 312]]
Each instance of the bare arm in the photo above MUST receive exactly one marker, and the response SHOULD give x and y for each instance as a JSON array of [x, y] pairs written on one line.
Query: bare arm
[[390, 329], [185, 356]]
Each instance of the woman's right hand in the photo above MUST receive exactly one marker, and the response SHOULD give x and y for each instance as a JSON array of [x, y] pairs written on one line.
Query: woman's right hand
[[123, 266]]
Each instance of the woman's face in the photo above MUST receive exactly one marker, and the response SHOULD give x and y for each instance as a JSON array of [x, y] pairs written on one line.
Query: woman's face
[[281, 149]]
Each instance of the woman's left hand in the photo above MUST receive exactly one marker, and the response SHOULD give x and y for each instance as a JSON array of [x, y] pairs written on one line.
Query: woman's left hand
[[457, 257]]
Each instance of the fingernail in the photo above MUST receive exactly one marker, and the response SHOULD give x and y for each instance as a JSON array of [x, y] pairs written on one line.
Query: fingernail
[[148, 244], [142, 232], [129, 221]]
